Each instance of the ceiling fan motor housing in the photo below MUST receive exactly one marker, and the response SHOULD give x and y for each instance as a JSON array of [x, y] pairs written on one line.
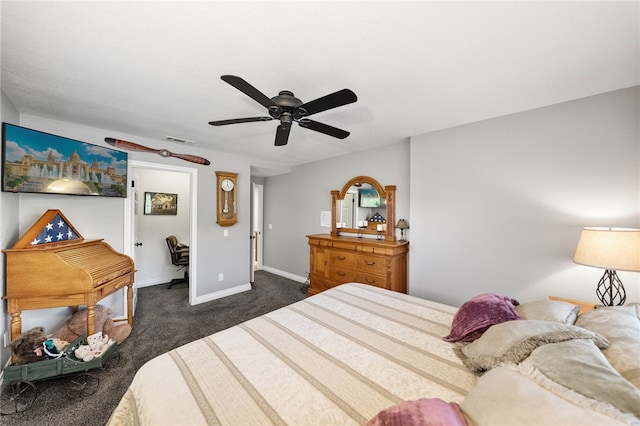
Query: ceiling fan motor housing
[[287, 108]]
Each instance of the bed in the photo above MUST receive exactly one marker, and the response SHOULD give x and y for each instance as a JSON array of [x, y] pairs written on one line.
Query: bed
[[352, 355]]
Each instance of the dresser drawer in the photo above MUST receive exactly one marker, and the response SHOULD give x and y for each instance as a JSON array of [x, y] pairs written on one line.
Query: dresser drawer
[[371, 264], [337, 259], [342, 259], [319, 284], [342, 275], [371, 279], [105, 290]]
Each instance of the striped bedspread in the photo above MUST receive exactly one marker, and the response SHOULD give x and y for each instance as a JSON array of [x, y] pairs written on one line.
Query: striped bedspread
[[338, 357]]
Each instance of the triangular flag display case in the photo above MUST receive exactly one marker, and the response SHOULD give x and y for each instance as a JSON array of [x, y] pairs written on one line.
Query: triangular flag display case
[[52, 265], [52, 229]]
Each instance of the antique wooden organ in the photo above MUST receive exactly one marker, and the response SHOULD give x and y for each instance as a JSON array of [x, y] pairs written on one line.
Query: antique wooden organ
[[51, 266]]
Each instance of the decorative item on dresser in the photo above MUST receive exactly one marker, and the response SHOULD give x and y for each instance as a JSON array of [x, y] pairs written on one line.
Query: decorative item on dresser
[[366, 216], [52, 265], [612, 249], [402, 225]]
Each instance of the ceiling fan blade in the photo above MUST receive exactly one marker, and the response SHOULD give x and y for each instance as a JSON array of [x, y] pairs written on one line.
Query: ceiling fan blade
[[282, 134], [323, 128], [249, 90], [333, 100], [130, 146], [239, 120]]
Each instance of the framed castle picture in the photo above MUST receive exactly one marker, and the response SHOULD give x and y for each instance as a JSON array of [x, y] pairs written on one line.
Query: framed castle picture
[[39, 162], [160, 203]]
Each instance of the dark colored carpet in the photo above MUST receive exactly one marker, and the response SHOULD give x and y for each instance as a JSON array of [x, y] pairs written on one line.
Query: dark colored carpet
[[164, 320]]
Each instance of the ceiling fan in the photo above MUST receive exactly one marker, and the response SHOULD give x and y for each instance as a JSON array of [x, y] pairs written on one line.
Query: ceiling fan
[[119, 143], [287, 108]]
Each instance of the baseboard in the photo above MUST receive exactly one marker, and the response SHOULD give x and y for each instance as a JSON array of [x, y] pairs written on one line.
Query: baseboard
[[222, 293], [153, 281], [229, 291], [285, 274]]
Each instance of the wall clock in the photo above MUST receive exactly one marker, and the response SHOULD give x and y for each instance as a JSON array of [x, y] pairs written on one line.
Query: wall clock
[[227, 209]]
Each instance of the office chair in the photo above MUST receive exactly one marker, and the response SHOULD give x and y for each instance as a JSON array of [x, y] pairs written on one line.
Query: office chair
[[179, 257]]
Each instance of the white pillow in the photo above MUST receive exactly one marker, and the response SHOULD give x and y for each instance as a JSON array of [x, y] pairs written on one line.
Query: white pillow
[[549, 310], [513, 341], [621, 326], [579, 365], [505, 397]]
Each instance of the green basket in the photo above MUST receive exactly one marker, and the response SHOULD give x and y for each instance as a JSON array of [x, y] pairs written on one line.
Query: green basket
[[66, 364]]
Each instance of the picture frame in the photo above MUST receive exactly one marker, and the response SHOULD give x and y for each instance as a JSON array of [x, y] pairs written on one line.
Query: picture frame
[[368, 197], [40, 162], [160, 203]]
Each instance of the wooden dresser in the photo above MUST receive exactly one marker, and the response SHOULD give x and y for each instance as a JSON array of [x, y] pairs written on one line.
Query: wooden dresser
[[340, 259]]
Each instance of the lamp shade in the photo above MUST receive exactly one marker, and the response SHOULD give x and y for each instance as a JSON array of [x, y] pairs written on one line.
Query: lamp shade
[[609, 248], [402, 224]]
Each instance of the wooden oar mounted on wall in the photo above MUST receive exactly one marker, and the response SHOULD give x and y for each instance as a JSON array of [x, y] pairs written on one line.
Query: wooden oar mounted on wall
[[130, 146]]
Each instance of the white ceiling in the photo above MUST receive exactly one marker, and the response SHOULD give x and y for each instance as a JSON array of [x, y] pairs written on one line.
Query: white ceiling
[[153, 69]]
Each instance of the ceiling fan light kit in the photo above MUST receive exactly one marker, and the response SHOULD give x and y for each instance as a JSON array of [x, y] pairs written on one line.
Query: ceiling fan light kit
[[288, 109]]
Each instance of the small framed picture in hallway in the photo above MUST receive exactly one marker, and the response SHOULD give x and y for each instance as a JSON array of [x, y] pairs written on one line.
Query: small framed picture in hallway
[[160, 203]]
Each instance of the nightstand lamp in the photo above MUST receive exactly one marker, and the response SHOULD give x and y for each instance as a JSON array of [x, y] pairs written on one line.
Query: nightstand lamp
[[402, 225], [611, 249]]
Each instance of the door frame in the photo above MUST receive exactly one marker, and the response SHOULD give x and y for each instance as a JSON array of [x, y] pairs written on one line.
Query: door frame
[[130, 218], [257, 225]]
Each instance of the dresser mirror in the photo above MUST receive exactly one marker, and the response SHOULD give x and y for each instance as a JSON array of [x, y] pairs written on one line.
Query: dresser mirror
[[363, 206]]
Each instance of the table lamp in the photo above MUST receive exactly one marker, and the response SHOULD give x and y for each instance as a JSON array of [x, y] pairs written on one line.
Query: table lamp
[[611, 249], [402, 225]]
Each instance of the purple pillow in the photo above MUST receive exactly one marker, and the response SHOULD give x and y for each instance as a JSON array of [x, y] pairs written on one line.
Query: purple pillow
[[479, 313], [422, 412]]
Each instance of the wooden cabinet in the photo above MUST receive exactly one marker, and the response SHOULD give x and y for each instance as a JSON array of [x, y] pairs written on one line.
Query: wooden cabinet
[[336, 260]]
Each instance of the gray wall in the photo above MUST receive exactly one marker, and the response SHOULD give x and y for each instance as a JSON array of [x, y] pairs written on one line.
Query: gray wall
[[8, 229], [499, 205]]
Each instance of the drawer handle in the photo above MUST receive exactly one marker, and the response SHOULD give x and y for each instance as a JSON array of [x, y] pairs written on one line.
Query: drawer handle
[[342, 274], [369, 263], [341, 257], [369, 281]]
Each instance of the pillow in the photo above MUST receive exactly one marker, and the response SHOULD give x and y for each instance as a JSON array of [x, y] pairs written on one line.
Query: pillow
[[422, 412], [479, 313], [549, 310], [580, 366], [513, 341], [505, 397], [621, 326]]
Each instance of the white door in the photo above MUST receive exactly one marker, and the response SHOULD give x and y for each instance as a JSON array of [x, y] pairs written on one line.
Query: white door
[[348, 212], [257, 228]]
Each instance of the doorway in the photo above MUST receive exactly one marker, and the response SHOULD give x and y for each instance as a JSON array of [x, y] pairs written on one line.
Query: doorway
[[257, 245], [145, 254]]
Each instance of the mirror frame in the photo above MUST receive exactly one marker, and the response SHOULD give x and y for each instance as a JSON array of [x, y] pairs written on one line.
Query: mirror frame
[[388, 193]]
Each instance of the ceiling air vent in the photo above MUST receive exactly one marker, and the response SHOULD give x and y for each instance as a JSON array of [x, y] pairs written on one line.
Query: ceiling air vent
[[180, 140]]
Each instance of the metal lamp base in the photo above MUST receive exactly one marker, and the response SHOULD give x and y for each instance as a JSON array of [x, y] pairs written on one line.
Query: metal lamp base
[[610, 290]]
